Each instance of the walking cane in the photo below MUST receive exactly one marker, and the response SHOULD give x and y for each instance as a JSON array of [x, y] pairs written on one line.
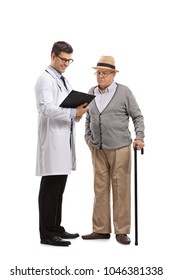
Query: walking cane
[[136, 193]]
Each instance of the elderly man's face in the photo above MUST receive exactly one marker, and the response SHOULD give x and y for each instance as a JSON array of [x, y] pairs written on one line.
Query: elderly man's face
[[105, 78]]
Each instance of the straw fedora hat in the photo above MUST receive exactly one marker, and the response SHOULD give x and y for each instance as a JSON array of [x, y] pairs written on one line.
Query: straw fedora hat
[[106, 62]]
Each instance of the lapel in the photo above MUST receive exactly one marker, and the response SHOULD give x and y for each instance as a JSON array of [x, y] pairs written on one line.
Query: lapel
[[52, 73], [58, 81]]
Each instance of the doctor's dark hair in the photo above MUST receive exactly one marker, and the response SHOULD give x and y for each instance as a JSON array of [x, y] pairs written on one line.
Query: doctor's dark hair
[[61, 46]]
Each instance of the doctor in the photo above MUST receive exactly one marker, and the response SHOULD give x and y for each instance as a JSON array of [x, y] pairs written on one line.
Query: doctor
[[56, 144]]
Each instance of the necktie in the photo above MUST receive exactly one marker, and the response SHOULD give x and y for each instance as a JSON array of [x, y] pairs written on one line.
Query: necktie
[[71, 127], [62, 78]]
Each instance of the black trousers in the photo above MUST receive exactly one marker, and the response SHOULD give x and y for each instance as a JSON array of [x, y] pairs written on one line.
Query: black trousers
[[50, 205]]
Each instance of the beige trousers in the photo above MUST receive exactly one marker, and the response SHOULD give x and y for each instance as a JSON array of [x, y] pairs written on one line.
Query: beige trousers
[[112, 172]]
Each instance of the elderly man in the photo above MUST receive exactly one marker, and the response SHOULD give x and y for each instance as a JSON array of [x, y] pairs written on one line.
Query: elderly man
[[109, 139]]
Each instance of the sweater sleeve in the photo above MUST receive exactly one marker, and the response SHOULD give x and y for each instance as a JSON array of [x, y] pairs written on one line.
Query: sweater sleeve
[[134, 112], [87, 119], [87, 127]]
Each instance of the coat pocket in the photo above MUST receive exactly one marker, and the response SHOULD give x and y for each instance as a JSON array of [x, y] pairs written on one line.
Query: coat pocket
[[57, 127]]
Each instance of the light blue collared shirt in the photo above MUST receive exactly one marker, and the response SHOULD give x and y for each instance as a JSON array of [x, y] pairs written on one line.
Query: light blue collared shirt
[[103, 98], [58, 75]]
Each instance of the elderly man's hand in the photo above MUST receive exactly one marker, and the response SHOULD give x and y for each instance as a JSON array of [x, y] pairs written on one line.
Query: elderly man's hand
[[138, 144]]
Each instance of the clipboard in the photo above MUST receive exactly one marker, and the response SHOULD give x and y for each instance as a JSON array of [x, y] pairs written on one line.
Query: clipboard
[[76, 98]]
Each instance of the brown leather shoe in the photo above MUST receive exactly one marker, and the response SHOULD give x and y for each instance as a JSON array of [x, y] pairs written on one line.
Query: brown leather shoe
[[95, 235], [123, 239]]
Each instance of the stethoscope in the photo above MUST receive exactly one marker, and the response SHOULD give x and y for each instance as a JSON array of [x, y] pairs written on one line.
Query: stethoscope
[[57, 82]]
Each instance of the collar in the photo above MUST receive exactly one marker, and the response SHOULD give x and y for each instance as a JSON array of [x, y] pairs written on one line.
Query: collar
[[112, 86], [54, 73]]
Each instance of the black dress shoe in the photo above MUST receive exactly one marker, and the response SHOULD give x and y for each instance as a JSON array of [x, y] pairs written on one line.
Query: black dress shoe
[[95, 235], [123, 239], [67, 235], [55, 241]]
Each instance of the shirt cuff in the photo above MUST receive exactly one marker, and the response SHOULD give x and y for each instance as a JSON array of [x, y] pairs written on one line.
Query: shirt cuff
[[73, 113]]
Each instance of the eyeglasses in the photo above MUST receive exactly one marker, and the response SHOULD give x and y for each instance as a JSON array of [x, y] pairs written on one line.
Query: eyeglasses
[[104, 74], [65, 60]]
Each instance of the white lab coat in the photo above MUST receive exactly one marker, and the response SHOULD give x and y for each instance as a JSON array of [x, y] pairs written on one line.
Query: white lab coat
[[55, 154]]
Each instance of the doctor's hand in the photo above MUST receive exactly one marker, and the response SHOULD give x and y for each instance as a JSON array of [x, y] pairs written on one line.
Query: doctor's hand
[[81, 110]]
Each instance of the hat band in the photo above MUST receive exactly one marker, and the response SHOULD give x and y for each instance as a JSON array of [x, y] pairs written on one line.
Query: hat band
[[106, 65]]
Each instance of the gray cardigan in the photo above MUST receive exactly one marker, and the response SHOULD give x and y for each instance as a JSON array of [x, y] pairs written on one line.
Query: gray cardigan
[[110, 128]]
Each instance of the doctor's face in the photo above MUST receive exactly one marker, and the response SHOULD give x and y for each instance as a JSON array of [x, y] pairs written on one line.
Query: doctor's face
[[61, 62]]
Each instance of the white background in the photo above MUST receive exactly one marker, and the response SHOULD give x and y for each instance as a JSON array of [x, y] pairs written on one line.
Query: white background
[[139, 35]]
